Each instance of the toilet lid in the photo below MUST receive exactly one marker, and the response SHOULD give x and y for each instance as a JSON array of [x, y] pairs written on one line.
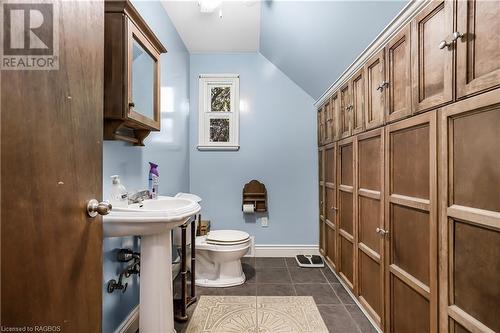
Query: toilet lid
[[221, 237]]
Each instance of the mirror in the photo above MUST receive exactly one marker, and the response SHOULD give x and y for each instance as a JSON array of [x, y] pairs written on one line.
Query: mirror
[[143, 81]]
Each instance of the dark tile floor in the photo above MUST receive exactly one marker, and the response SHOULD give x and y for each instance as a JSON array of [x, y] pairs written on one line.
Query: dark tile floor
[[283, 277]]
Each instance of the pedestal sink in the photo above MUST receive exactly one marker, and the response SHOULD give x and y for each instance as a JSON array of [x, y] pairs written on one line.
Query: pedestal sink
[[153, 220]]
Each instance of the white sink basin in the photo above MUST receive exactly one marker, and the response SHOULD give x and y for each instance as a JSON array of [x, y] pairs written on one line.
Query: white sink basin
[[149, 218], [153, 220]]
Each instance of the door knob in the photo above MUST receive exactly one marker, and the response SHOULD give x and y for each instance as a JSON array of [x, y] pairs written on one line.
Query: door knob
[[95, 207]]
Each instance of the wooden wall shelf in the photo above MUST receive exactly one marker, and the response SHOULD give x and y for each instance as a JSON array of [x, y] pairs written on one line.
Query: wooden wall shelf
[[255, 193]]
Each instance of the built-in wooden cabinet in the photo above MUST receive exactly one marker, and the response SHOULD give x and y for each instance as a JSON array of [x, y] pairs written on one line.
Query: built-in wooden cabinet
[[420, 260], [469, 182], [369, 212], [345, 216], [375, 91], [358, 102], [131, 75], [432, 51], [411, 225], [477, 46], [398, 76]]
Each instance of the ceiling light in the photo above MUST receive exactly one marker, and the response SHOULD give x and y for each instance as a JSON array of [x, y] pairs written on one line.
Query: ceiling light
[[209, 6]]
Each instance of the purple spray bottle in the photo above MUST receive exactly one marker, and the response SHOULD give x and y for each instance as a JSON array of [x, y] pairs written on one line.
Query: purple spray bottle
[[154, 180]]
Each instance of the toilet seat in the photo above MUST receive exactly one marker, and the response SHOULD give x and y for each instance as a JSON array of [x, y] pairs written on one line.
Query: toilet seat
[[227, 237]]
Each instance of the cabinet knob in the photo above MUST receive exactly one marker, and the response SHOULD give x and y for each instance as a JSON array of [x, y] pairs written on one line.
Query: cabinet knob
[[381, 231], [131, 105], [454, 37]]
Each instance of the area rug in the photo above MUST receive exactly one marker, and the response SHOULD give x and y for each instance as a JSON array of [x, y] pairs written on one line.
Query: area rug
[[262, 314]]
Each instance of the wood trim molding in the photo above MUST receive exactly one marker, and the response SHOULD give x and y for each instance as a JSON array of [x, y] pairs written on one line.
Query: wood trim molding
[[401, 19]]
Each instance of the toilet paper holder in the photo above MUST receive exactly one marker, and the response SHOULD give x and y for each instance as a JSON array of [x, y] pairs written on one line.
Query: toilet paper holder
[[255, 193]]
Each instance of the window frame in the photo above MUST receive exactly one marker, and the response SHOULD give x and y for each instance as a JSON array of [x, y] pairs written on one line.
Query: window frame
[[206, 82]]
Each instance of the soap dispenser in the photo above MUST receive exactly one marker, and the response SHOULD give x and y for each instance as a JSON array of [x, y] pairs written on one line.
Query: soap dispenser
[[119, 195]]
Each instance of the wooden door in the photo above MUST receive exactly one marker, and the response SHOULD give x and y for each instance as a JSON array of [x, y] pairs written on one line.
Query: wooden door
[[398, 74], [376, 86], [345, 216], [328, 111], [330, 202], [478, 50], [345, 119], [432, 72], [321, 198], [470, 215], [370, 219], [51, 165], [411, 221], [358, 101], [335, 111], [321, 127]]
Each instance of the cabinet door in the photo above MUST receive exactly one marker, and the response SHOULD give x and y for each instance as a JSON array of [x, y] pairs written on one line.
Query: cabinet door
[[335, 107], [470, 215], [433, 63], [345, 216], [330, 201], [375, 90], [411, 221], [344, 111], [370, 221], [358, 102], [320, 126], [331, 243], [327, 113], [478, 51], [398, 64]]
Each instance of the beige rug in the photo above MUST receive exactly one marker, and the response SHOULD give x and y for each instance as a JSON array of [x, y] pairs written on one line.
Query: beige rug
[[250, 314]]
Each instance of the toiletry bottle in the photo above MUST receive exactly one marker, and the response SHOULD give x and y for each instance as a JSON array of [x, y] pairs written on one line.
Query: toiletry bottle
[[154, 180], [119, 195]]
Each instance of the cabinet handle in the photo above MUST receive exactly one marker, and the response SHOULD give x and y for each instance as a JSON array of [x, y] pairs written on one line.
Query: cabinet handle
[[131, 105], [334, 209], [454, 37], [381, 231], [382, 85]]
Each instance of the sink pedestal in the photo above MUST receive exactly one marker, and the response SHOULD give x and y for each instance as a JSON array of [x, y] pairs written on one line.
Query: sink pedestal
[[156, 313]]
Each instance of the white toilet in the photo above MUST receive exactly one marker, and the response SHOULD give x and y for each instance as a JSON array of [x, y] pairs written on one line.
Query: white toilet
[[218, 257]]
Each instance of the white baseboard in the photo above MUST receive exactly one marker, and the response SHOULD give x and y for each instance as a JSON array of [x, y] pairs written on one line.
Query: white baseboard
[[131, 323], [284, 250]]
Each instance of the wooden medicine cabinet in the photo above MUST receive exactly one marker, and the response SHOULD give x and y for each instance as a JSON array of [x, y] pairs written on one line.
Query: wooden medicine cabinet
[[131, 75]]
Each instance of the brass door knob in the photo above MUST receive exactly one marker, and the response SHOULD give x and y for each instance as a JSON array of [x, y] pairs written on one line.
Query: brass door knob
[[95, 207]]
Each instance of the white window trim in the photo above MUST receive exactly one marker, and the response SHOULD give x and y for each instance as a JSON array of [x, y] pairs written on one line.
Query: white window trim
[[204, 115]]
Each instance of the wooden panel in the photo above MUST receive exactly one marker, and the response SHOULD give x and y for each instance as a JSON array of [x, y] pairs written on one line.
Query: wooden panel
[[370, 152], [51, 164], [476, 272], [410, 213], [398, 69], [321, 127], [345, 212], [330, 164], [476, 150], [322, 237], [410, 231], [346, 165], [432, 67], [330, 204], [321, 200], [346, 257], [478, 51], [410, 162], [369, 211], [345, 116], [470, 231], [375, 91], [358, 102], [411, 311], [370, 283], [321, 164], [331, 243]]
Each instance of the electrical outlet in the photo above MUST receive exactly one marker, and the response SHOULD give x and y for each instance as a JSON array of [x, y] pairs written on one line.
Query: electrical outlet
[[264, 221]]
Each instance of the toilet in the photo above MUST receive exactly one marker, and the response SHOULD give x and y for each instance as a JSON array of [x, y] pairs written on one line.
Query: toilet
[[218, 258]]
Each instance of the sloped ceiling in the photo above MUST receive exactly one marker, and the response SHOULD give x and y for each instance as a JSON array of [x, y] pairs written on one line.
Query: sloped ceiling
[[313, 42]]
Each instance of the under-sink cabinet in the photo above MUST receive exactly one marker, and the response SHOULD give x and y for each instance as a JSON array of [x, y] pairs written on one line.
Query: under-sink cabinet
[[131, 75]]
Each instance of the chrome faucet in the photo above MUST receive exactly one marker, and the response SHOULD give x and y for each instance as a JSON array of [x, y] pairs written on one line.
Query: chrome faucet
[[138, 197]]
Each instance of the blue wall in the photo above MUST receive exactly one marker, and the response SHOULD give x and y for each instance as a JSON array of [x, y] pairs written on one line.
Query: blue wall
[[278, 147], [169, 148], [313, 42]]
